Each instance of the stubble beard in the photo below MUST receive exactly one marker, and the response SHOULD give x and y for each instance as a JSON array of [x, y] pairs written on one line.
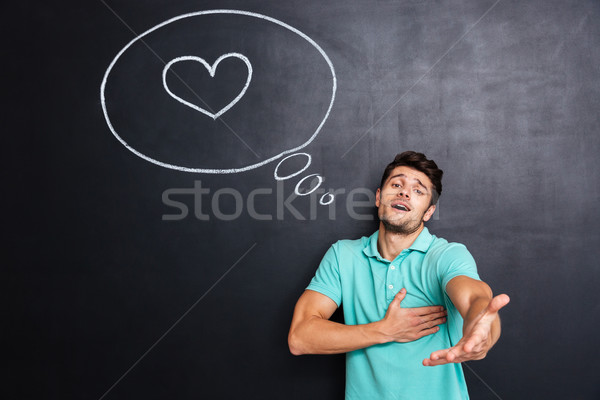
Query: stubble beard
[[405, 227]]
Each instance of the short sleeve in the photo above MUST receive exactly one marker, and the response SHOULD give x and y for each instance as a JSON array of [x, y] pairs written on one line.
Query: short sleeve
[[456, 260], [327, 278]]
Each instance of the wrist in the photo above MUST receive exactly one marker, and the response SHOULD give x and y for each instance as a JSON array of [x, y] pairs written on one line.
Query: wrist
[[378, 332]]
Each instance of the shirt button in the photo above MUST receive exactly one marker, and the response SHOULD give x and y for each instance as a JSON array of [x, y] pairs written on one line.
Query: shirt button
[[391, 286], [393, 267]]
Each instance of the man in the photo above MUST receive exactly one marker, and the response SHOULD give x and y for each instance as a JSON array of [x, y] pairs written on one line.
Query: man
[[393, 285]]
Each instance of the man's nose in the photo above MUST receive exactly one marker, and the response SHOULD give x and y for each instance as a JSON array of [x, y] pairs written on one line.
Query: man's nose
[[404, 192]]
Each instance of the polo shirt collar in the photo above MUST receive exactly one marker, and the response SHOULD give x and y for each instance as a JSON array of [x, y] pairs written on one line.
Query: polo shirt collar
[[421, 243], [371, 248]]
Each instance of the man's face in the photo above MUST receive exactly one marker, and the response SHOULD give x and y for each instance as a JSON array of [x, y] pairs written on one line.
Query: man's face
[[404, 199]]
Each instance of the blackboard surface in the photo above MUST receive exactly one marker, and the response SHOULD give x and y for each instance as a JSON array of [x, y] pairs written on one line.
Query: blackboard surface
[[174, 275]]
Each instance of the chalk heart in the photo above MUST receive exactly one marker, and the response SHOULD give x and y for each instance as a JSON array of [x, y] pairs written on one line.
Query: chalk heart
[[211, 70]]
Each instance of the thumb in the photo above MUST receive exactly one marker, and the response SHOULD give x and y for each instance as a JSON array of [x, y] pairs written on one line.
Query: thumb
[[497, 303], [400, 296]]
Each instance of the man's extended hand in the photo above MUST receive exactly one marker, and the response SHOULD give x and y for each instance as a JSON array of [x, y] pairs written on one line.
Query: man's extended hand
[[477, 337], [408, 324]]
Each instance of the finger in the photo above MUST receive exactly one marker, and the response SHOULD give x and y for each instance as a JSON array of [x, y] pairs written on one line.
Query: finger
[[431, 363], [449, 360], [427, 331], [454, 354], [426, 323], [428, 310], [439, 354], [446, 360], [437, 358], [434, 317]]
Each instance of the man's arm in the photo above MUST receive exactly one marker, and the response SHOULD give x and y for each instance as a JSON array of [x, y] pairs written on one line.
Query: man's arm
[[481, 327], [311, 331]]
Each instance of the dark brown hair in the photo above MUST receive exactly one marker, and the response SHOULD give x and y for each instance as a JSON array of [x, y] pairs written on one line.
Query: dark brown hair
[[419, 162]]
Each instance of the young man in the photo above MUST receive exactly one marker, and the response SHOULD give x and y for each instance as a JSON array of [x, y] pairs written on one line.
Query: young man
[[393, 285]]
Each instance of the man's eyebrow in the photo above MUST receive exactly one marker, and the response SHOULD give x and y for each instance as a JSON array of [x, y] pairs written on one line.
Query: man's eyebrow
[[414, 179]]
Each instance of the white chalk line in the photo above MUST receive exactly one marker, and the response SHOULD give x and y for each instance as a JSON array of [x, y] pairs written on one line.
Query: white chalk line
[[297, 189], [210, 170], [481, 379], [177, 322], [326, 203], [283, 178], [211, 70], [180, 79], [420, 79]]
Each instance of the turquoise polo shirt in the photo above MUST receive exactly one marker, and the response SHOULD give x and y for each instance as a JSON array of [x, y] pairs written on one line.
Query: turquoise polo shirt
[[353, 274]]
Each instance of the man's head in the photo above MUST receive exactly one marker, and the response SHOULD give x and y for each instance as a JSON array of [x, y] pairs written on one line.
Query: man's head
[[410, 187], [419, 162]]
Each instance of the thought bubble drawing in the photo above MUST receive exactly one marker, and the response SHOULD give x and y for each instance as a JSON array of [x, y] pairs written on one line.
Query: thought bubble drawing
[[197, 88]]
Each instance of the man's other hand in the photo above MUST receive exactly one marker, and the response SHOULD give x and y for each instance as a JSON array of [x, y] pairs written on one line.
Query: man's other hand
[[407, 324], [477, 338]]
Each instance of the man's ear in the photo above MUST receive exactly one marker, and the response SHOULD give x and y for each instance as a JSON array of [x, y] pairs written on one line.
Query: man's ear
[[377, 197], [429, 213]]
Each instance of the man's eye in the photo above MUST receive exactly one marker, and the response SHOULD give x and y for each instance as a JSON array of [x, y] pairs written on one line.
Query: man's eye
[[395, 185], [418, 191]]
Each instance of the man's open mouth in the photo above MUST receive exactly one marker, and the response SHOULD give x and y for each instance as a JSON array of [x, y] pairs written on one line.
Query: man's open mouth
[[400, 207]]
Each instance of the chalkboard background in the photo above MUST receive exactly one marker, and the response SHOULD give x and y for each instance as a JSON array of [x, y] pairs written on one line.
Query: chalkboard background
[[112, 291]]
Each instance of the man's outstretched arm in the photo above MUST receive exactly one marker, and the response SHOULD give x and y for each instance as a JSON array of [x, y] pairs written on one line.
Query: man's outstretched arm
[[312, 332], [481, 327]]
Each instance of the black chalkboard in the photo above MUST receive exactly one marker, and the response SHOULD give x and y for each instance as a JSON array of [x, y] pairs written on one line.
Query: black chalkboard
[[163, 221]]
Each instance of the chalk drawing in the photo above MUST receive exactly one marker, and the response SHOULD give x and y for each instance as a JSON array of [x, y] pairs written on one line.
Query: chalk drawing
[[326, 199], [322, 200], [212, 170], [211, 70], [297, 189], [329, 200], [282, 178]]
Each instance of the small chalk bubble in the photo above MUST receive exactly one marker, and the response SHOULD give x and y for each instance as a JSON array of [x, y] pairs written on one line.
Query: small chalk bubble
[[297, 190], [283, 178], [329, 200]]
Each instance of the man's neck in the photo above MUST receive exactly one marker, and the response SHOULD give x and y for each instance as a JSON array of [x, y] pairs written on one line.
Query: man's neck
[[391, 244]]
